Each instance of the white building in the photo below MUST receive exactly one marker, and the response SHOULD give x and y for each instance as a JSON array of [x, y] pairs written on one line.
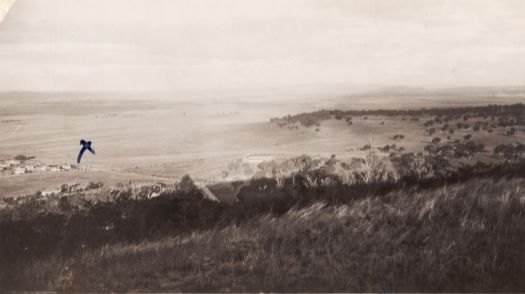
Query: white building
[[30, 168], [50, 192], [20, 170], [13, 162]]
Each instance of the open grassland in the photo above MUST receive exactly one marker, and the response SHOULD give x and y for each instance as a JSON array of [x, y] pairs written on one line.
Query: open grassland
[[460, 237], [31, 183]]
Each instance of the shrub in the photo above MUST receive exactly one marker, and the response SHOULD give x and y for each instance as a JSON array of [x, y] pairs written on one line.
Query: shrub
[[411, 165], [428, 123], [373, 169], [23, 157], [513, 151], [186, 185], [476, 128], [398, 137]]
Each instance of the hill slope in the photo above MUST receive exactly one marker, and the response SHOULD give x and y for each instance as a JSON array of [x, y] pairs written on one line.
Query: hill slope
[[461, 237]]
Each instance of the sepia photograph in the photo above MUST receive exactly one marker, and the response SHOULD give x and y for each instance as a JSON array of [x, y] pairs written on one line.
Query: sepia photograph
[[262, 146]]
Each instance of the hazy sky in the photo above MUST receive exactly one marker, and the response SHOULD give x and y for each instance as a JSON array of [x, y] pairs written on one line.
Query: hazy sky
[[234, 45]]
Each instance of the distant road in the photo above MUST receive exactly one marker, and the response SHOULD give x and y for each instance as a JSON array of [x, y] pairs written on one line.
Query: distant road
[[122, 172]]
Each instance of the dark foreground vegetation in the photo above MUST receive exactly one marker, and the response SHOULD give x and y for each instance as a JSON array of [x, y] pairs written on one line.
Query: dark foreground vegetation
[[309, 232]]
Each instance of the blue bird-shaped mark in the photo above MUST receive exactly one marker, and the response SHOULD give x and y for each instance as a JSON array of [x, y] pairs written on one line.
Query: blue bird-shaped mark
[[85, 146]]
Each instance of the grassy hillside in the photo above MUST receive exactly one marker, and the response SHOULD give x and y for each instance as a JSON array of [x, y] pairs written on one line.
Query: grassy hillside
[[462, 237]]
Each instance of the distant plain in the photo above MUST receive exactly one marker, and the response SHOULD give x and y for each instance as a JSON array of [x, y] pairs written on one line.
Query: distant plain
[[141, 139]]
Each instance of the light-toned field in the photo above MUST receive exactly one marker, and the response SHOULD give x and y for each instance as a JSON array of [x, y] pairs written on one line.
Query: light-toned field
[[169, 139], [30, 183]]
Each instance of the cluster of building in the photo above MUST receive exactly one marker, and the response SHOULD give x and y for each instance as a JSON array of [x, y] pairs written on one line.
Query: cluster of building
[[17, 167]]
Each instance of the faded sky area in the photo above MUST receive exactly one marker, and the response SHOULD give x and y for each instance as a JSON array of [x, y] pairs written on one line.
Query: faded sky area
[[255, 45]]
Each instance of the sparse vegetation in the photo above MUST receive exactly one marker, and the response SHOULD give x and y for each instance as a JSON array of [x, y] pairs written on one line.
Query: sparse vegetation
[[22, 157], [513, 151], [391, 147], [506, 114], [398, 137]]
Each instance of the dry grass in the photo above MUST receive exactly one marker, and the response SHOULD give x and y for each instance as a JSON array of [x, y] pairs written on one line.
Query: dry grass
[[462, 237]]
